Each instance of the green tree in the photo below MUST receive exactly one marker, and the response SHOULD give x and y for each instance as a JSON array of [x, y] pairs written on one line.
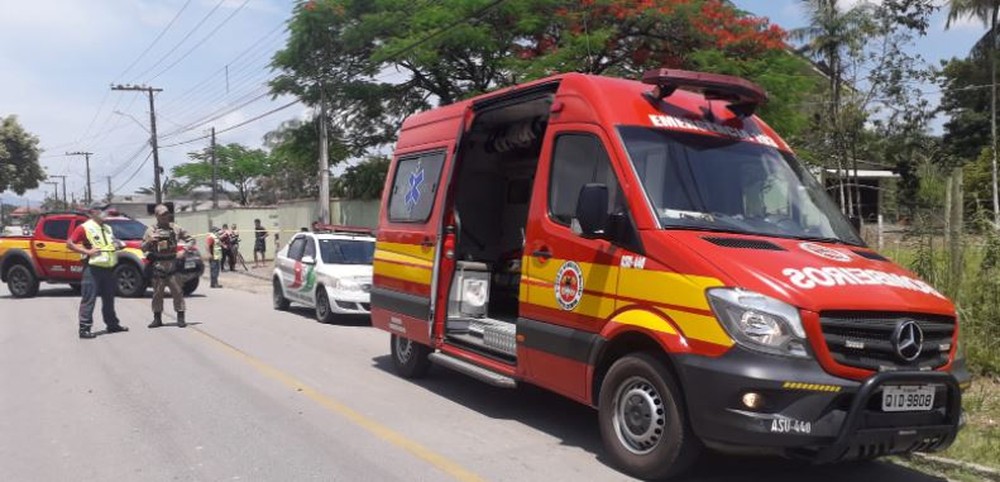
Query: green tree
[[236, 164], [987, 12], [19, 166], [364, 180], [374, 63], [294, 148]]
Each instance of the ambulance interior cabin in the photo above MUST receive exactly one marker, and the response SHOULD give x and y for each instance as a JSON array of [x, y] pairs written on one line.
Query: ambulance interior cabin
[[492, 192]]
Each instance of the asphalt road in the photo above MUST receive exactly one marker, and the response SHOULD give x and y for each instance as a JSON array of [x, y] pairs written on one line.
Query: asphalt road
[[247, 393]]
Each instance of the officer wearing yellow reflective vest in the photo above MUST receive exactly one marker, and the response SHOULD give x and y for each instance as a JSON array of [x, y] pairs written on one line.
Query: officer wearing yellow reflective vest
[[95, 241], [214, 241], [160, 245]]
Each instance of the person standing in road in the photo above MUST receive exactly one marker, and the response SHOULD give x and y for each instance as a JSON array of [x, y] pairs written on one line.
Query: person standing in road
[[96, 242], [234, 247], [214, 241], [259, 243], [226, 240], [160, 245]]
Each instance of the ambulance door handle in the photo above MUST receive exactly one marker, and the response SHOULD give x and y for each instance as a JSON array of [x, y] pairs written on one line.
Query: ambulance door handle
[[427, 242], [543, 253], [39, 245]]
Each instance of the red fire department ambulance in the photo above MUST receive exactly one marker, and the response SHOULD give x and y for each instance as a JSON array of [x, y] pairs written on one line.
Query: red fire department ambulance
[[656, 251]]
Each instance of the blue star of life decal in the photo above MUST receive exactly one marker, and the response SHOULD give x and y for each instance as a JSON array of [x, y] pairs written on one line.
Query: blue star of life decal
[[413, 193]]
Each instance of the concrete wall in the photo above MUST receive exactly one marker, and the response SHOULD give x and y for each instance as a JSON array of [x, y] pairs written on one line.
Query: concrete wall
[[354, 213], [199, 223]]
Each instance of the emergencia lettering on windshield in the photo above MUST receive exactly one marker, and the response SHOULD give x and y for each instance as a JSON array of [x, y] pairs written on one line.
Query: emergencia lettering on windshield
[[829, 276], [699, 125]]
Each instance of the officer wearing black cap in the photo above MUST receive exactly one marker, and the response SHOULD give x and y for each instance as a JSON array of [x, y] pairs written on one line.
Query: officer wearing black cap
[[160, 245], [95, 242]]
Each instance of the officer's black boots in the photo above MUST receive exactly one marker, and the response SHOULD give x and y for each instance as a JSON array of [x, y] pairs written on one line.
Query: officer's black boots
[[157, 320], [87, 335], [180, 319], [117, 329]]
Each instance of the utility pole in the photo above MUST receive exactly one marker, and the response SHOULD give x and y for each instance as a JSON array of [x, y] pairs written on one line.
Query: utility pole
[[110, 194], [55, 190], [86, 155], [157, 188], [324, 162], [215, 174], [63, 177]]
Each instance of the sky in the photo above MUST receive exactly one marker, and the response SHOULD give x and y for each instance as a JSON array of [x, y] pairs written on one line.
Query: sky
[[60, 57]]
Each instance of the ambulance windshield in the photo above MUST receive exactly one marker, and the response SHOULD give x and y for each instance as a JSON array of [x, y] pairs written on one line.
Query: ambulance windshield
[[710, 183]]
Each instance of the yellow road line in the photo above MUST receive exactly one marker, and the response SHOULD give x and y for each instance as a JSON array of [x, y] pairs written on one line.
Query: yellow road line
[[381, 431]]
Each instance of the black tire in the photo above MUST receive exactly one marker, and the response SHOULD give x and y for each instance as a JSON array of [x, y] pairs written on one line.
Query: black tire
[[643, 420], [324, 314], [76, 288], [409, 357], [191, 286], [21, 281], [129, 281], [278, 297]]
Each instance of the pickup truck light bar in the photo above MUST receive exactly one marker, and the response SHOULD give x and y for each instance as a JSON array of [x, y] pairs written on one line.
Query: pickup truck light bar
[[743, 96]]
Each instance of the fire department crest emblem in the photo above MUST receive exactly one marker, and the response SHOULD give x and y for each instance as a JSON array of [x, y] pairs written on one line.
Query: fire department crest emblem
[[569, 285]]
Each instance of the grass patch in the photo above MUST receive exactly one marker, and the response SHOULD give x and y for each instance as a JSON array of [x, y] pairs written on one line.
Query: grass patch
[[979, 440]]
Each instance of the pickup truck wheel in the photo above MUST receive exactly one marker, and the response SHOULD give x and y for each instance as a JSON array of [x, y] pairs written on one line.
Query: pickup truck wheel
[[409, 357], [278, 297], [76, 288], [324, 314], [129, 281], [190, 286], [21, 281], [642, 419]]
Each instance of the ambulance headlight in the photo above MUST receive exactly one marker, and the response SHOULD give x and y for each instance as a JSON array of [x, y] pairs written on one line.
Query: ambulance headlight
[[759, 322]]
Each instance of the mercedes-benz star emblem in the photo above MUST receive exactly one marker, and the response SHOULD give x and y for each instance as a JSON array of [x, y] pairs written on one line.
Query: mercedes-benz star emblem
[[908, 339]]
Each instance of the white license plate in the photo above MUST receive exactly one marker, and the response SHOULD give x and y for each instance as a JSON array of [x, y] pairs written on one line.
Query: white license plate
[[907, 398], [189, 264]]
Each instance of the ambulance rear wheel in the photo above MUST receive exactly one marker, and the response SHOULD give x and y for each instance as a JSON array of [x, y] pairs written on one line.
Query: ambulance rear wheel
[[409, 357], [642, 419]]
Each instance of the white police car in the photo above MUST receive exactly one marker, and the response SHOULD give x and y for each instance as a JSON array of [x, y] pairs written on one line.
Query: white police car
[[329, 271]]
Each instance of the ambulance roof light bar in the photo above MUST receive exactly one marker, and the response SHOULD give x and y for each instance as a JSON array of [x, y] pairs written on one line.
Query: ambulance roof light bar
[[743, 96]]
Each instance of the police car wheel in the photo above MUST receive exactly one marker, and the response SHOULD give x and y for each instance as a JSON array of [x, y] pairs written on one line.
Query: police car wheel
[[21, 281], [190, 286], [278, 297], [642, 419], [324, 314], [409, 357]]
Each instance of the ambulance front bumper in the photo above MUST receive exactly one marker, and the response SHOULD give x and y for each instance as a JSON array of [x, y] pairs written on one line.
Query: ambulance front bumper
[[745, 402]]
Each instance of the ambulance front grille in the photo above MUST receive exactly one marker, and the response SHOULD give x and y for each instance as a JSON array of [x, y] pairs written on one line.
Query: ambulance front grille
[[864, 339]]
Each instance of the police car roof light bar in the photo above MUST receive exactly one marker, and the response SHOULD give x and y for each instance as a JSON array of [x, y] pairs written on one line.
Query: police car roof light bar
[[334, 228], [743, 96]]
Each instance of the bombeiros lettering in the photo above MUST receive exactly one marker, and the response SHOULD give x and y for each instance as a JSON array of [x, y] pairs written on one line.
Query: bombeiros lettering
[[830, 276]]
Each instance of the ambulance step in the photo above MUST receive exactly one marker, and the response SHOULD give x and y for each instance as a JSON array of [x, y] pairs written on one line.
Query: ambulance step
[[495, 335], [474, 371]]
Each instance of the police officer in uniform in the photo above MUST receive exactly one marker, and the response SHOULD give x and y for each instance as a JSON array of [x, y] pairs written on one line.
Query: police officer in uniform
[[160, 245], [96, 242]]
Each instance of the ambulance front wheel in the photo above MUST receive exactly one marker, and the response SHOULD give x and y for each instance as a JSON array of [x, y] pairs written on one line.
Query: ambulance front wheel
[[642, 419], [409, 357]]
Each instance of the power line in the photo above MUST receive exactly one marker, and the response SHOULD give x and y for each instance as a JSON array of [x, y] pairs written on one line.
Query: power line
[[134, 173], [472, 16], [203, 40], [153, 43], [185, 39], [241, 124], [218, 114]]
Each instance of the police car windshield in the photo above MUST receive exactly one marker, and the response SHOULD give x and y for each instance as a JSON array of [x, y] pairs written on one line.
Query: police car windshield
[[343, 251], [710, 183], [127, 229]]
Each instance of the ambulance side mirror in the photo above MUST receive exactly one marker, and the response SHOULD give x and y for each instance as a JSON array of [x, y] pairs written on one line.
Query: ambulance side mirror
[[592, 210]]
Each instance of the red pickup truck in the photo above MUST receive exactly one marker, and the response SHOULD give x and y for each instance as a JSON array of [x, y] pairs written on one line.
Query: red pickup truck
[[26, 261]]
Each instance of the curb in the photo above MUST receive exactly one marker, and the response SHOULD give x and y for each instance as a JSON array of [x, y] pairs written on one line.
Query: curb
[[252, 275], [980, 470]]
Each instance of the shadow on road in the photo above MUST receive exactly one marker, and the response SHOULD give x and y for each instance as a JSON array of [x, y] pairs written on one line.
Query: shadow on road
[[339, 320], [576, 426]]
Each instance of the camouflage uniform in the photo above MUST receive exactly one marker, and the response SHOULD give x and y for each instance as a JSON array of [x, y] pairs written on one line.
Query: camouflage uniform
[[160, 245]]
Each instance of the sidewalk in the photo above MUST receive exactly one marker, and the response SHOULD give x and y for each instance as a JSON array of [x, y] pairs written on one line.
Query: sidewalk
[[255, 280]]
